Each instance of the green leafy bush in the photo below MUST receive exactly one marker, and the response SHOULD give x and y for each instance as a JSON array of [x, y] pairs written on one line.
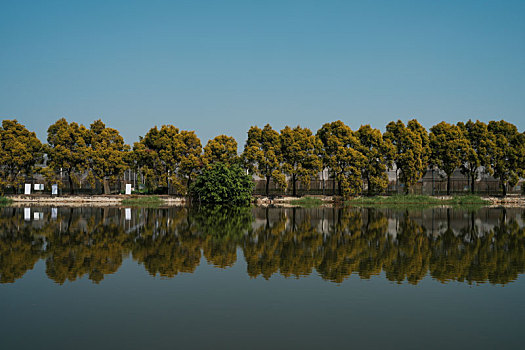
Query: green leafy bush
[[223, 184], [5, 201]]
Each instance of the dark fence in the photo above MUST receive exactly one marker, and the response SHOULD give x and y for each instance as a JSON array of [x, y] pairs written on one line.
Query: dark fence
[[488, 187], [426, 186]]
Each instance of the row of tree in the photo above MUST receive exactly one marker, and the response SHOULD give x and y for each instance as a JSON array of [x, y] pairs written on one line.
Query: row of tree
[[355, 160]]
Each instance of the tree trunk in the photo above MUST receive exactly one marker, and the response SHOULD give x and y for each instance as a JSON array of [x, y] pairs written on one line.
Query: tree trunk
[[397, 180], [71, 189], [188, 183], [268, 185], [294, 180], [369, 188], [432, 180], [106, 186], [448, 185], [333, 186], [473, 178], [340, 190], [504, 188]]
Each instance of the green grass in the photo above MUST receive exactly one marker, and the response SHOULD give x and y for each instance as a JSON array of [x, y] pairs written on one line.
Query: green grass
[[417, 200], [5, 201], [307, 202], [149, 201], [468, 199], [396, 199]]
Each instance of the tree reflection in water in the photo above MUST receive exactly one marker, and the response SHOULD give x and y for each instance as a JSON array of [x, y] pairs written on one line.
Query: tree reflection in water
[[487, 245]]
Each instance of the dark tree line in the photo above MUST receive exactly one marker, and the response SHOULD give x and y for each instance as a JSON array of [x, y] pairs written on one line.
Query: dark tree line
[[355, 159]]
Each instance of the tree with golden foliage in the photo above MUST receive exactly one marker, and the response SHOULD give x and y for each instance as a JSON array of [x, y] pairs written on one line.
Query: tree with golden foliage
[[107, 154], [67, 150], [262, 155], [168, 156], [481, 146], [20, 151], [300, 150], [221, 149], [449, 148], [340, 153], [378, 154], [411, 155], [508, 157]]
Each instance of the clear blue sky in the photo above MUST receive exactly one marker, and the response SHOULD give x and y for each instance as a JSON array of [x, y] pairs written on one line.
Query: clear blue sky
[[219, 67]]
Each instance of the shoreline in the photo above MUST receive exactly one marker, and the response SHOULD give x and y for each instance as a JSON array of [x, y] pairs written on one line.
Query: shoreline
[[285, 201], [93, 200]]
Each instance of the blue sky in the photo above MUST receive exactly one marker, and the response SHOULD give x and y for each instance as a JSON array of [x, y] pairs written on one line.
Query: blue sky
[[219, 67]]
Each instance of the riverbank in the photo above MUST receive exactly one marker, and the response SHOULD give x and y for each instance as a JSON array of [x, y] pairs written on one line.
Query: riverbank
[[394, 201], [95, 200], [306, 201]]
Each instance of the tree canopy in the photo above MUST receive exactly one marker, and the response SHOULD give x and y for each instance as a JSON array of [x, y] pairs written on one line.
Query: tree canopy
[[410, 151], [300, 151], [378, 155], [168, 155], [168, 159], [107, 154], [262, 155], [449, 148], [508, 157], [481, 144], [340, 150], [222, 149], [20, 151], [67, 149]]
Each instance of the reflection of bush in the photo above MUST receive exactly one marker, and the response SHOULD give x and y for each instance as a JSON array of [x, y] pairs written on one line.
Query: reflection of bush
[[221, 227], [222, 222], [173, 241]]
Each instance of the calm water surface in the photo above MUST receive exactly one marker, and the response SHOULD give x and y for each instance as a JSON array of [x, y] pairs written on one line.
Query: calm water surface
[[256, 278]]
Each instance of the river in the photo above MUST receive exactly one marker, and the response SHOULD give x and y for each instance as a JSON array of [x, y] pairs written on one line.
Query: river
[[259, 278]]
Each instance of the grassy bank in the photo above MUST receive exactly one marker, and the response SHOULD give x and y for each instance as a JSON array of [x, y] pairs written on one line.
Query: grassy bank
[[468, 200], [417, 200], [144, 201], [307, 202]]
